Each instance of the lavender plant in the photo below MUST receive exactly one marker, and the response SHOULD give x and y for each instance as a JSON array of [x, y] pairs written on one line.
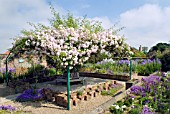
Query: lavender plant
[[8, 107], [116, 67], [31, 95]]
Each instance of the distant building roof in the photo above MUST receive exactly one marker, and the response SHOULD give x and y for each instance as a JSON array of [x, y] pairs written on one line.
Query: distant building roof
[[7, 52]]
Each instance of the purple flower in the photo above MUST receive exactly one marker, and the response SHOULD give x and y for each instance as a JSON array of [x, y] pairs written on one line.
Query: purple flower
[[132, 106], [143, 94], [146, 110], [163, 93], [158, 61], [31, 95], [10, 70], [137, 90], [127, 62], [146, 61], [151, 80], [154, 99], [9, 107], [147, 101], [164, 74]]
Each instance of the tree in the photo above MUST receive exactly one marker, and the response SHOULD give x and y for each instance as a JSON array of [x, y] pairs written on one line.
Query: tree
[[165, 60], [156, 50], [69, 41]]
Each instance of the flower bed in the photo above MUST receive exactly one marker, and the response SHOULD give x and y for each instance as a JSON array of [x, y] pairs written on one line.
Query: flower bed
[[106, 76], [153, 96], [37, 95], [121, 67]]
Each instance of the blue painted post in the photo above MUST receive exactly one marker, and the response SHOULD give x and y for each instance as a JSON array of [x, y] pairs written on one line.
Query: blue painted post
[[68, 88]]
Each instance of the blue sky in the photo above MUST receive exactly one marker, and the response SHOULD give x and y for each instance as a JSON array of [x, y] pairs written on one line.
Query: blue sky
[[146, 22]]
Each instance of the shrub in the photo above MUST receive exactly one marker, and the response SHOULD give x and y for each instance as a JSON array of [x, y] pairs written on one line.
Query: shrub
[[166, 62]]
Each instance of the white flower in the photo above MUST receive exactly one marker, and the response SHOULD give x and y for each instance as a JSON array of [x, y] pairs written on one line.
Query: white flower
[[80, 47], [124, 106], [66, 63], [64, 59], [117, 107], [71, 62], [38, 44], [94, 36], [86, 58], [70, 67], [33, 43], [26, 43], [69, 57], [131, 53], [114, 105], [52, 53]]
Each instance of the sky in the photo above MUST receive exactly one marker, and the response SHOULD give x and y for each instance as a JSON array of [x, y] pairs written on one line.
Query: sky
[[145, 22]]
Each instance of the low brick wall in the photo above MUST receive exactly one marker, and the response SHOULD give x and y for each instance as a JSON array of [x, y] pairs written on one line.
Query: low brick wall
[[87, 94]]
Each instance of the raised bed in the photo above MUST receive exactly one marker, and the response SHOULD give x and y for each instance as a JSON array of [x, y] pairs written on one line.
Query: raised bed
[[88, 93], [105, 76], [131, 83]]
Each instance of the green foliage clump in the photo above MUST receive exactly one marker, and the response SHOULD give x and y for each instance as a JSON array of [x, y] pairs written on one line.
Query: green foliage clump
[[148, 68], [110, 92], [79, 93], [134, 111], [139, 54], [52, 71]]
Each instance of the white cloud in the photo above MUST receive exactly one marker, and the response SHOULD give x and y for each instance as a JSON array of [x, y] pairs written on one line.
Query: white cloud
[[106, 22], [16, 13], [146, 25]]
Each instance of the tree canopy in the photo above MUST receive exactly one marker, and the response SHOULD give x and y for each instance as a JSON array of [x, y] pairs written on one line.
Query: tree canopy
[[69, 40]]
